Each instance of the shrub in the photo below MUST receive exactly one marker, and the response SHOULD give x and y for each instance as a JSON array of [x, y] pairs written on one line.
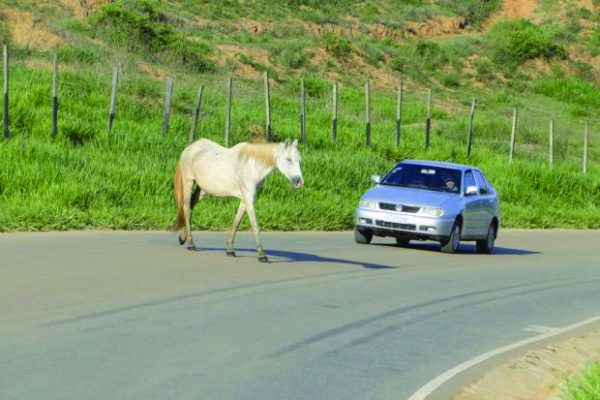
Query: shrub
[[475, 12], [419, 57], [514, 42], [339, 46], [142, 26], [294, 58]]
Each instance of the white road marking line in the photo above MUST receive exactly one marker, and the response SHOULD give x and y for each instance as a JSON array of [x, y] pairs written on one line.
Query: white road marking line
[[540, 329], [432, 385]]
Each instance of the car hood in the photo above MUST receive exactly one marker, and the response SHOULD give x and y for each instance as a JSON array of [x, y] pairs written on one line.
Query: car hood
[[408, 196]]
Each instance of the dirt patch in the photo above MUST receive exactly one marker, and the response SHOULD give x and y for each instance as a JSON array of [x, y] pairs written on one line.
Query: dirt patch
[[29, 30], [513, 9], [436, 27], [538, 374], [83, 8], [229, 53], [152, 71]]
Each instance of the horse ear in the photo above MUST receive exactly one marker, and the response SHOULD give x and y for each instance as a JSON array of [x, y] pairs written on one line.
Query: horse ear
[[295, 143], [286, 143]]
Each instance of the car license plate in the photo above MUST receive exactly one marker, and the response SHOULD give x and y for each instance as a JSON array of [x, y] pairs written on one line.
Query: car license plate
[[400, 219]]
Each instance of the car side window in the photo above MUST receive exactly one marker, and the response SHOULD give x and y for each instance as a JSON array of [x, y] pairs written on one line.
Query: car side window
[[483, 187], [469, 180]]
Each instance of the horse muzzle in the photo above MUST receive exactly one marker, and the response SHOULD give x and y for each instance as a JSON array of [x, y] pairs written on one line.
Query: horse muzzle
[[297, 181]]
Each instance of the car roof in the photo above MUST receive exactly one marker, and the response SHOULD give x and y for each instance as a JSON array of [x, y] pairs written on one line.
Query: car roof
[[441, 164]]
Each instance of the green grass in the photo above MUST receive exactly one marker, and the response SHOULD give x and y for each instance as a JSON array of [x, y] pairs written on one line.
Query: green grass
[[583, 387], [86, 178]]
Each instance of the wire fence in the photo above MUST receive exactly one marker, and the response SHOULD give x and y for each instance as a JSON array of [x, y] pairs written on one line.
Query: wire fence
[[393, 118]]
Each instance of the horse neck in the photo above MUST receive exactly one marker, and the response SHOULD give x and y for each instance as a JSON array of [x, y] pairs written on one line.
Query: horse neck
[[260, 156]]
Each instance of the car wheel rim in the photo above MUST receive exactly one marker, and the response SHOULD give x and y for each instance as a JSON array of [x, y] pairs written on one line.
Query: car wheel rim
[[456, 238]]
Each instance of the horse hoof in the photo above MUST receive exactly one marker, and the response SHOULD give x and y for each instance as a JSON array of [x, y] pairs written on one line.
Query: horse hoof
[[191, 247], [263, 259], [181, 241], [230, 253]]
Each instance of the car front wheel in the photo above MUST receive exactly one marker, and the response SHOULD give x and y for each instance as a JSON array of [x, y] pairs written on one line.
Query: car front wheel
[[486, 246], [362, 236], [451, 244]]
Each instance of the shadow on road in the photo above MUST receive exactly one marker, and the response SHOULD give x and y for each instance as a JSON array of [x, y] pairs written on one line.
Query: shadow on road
[[463, 249], [293, 256]]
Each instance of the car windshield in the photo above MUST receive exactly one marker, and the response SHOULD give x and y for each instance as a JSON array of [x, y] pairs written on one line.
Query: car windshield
[[424, 177]]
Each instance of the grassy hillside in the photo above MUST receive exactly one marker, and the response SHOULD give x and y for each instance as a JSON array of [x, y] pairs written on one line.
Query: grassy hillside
[[546, 65]]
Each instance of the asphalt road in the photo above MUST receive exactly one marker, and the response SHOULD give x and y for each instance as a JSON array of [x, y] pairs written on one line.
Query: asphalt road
[[131, 315]]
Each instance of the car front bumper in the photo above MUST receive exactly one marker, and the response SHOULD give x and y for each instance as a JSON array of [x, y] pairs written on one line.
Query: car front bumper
[[383, 223]]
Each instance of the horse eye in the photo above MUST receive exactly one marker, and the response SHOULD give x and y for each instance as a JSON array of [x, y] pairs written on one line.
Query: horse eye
[[289, 160]]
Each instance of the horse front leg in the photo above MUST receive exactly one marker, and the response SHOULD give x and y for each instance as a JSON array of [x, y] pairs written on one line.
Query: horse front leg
[[236, 225], [250, 209]]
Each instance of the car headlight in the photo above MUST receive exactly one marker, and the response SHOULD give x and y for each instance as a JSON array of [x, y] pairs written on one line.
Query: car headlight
[[368, 204], [431, 211]]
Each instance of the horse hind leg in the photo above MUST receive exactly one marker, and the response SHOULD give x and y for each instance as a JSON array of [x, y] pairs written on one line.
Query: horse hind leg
[[194, 196]]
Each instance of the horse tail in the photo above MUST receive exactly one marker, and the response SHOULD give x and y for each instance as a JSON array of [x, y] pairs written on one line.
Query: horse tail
[[178, 186]]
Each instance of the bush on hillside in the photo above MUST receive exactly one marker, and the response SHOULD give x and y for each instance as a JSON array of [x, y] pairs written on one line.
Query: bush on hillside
[[514, 42], [339, 46], [475, 12], [141, 25], [418, 58]]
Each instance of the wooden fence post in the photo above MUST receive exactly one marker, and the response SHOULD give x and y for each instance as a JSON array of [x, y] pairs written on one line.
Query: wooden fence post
[[196, 114], [55, 97], [551, 144], [470, 129], [267, 108], [167, 113], [513, 136], [303, 112], [113, 98], [428, 121], [228, 111], [6, 90], [585, 147], [399, 114], [367, 116], [335, 112]]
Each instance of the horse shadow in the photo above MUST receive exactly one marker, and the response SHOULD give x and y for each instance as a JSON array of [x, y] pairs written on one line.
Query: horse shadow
[[282, 256]]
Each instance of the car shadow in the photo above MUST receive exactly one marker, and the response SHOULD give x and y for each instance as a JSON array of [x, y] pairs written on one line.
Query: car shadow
[[465, 248], [283, 256]]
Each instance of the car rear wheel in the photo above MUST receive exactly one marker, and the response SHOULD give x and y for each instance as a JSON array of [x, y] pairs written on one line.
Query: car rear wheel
[[453, 242], [486, 246], [362, 236], [402, 242]]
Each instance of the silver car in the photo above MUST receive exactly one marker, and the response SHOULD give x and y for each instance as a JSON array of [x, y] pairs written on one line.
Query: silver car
[[427, 200]]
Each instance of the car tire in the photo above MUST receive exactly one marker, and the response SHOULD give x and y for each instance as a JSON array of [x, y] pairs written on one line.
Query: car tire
[[486, 246], [402, 242], [362, 236], [452, 244]]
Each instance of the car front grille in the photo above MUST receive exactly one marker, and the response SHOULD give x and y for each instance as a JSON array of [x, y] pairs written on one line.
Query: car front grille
[[386, 224], [393, 207]]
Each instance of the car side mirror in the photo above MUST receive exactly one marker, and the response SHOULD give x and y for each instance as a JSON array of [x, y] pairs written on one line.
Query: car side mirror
[[376, 178], [471, 190]]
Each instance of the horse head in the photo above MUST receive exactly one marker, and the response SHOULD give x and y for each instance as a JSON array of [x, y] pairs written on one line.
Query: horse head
[[288, 162]]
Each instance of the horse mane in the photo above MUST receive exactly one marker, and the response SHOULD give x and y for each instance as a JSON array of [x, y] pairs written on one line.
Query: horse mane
[[262, 153]]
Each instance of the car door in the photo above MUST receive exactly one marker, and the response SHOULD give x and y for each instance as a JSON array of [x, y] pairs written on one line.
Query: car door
[[471, 213], [488, 203]]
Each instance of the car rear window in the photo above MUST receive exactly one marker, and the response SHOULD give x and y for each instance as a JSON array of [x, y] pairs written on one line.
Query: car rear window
[[424, 177]]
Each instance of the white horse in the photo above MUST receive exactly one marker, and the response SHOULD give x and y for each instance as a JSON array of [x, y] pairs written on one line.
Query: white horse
[[230, 172]]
